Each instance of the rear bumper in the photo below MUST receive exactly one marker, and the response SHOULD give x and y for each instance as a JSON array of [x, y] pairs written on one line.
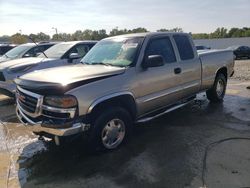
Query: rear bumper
[[37, 127]]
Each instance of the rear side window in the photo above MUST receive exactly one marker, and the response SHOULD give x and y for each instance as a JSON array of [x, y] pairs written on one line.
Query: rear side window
[[163, 47], [184, 46]]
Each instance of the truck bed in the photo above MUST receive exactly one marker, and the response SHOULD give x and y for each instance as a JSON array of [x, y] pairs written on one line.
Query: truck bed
[[211, 61]]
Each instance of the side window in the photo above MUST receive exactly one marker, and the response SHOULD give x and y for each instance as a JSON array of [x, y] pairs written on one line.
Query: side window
[[81, 49], [38, 50], [163, 47], [30, 53], [184, 47], [45, 47], [33, 52]]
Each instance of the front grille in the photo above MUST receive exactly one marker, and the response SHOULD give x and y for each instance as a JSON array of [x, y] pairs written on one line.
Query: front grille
[[2, 78], [27, 102]]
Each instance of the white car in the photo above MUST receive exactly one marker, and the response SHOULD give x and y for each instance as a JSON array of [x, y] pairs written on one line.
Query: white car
[[61, 54], [26, 50]]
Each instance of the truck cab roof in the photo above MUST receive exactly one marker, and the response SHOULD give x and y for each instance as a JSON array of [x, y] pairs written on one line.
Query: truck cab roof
[[147, 34]]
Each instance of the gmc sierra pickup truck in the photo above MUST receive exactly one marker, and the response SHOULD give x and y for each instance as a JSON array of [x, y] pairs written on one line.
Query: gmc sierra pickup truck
[[122, 80]]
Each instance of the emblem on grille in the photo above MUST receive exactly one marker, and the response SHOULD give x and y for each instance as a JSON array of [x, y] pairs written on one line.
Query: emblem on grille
[[21, 97]]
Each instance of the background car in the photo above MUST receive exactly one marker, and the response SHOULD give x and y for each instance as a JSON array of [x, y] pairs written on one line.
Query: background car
[[241, 51], [202, 48], [61, 54], [5, 48], [26, 50]]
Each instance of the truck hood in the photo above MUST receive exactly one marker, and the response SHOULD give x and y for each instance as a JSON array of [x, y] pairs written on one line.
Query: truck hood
[[64, 78], [22, 62]]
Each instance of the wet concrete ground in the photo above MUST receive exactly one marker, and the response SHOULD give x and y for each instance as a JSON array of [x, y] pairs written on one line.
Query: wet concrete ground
[[166, 152]]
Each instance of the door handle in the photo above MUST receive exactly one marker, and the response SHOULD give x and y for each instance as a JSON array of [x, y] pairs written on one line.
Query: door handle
[[177, 70]]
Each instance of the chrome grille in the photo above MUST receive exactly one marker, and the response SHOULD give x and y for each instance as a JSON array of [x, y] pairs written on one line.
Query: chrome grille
[[28, 103], [2, 78]]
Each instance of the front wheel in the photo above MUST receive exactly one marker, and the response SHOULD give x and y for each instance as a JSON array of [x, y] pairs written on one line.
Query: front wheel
[[110, 129], [217, 92]]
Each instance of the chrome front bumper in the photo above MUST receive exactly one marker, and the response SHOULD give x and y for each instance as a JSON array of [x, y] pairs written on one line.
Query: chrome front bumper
[[35, 124], [37, 127]]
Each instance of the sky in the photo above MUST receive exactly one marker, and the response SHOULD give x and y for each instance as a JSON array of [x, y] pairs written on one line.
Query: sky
[[196, 16]]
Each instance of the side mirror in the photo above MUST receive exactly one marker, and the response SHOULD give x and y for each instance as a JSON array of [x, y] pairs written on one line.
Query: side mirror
[[27, 55], [37, 54], [74, 56], [153, 61]]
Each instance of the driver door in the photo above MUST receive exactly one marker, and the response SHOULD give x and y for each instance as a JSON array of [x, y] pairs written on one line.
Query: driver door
[[157, 87]]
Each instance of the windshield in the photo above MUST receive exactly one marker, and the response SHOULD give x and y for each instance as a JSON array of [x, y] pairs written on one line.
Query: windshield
[[57, 51], [115, 52], [17, 51]]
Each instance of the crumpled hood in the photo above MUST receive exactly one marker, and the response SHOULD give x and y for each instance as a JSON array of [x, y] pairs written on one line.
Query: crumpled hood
[[22, 62], [66, 77], [67, 74]]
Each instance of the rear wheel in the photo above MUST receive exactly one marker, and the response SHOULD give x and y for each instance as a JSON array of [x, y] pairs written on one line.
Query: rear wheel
[[217, 92], [110, 129]]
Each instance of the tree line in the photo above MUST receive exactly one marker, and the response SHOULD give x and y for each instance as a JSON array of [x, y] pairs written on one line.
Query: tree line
[[224, 33], [88, 34]]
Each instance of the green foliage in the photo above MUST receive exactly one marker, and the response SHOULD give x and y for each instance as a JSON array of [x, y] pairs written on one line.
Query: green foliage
[[224, 33], [39, 37], [116, 31], [176, 29], [100, 34], [18, 38]]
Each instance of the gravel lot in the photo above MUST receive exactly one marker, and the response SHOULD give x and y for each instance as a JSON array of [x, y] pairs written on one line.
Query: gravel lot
[[242, 70]]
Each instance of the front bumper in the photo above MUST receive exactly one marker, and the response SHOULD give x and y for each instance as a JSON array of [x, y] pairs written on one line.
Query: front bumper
[[37, 127]]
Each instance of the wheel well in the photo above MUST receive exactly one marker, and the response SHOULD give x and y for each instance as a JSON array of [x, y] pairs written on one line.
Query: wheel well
[[223, 71], [125, 101]]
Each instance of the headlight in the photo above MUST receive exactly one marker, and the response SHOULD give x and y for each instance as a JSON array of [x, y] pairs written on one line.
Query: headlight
[[66, 101]]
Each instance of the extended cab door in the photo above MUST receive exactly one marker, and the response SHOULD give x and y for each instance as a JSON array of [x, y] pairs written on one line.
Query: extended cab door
[[189, 64], [158, 87]]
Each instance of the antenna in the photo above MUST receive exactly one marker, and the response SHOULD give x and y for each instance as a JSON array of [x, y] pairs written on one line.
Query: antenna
[[37, 46]]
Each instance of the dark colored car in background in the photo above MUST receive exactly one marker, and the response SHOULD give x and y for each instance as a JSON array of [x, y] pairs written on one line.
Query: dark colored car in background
[[5, 48], [202, 48], [26, 50], [241, 52]]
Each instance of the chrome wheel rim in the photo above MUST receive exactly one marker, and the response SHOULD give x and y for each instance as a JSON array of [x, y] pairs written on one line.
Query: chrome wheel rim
[[220, 88], [113, 133]]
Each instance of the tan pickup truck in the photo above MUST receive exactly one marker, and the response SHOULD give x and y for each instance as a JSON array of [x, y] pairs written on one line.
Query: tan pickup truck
[[122, 80]]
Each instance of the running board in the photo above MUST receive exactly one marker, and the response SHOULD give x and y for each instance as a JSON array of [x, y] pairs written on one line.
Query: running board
[[143, 120]]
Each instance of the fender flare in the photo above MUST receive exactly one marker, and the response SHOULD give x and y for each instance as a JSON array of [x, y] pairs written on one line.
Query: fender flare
[[107, 97]]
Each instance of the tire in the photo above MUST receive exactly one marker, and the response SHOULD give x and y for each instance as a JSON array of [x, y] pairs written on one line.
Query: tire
[[115, 124], [217, 92]]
